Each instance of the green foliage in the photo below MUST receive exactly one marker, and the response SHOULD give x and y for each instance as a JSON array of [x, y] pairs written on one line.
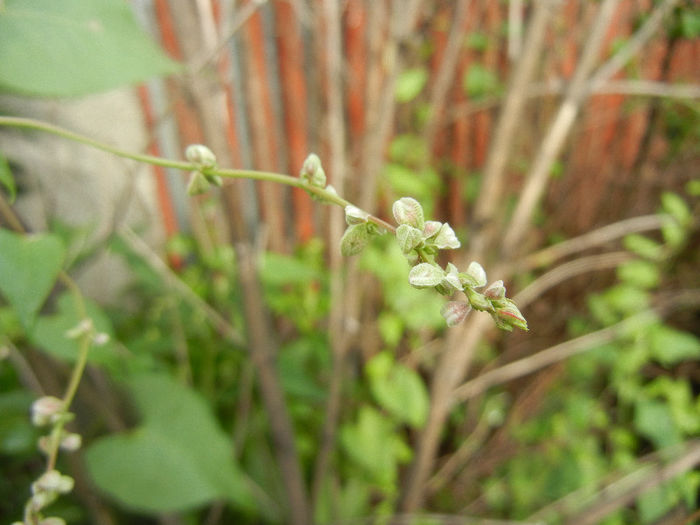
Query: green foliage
[[29, 267], [6, 179], [410, 83], [177, 459], [479, 82], [77, 47]]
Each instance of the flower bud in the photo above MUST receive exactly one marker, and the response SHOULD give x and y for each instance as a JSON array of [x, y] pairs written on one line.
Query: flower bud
[[408, 237], [431, 229], [477, 300], [425, 275], [446, 238], [53, 481], [474, 277], [198, 184], [455, 312], [52, 521], [354, 215], [71, 442], [354, 239], [508, 315], [451, 281], [200, 155], [46, 410], [85, 326], [214, 180], [100, 339], [312, 172], [409, 211], [495, 290]]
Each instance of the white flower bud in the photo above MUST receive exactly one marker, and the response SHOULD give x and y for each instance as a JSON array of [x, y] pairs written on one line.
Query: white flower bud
[[85, 326], [46, 410], [200, 155], [455, 312], [71, 442], [475, 275], [312, 171], [451, 280], [495, 290], [100, 339], [197, 184], [446, 238], [354, 215], [425, 275], [354, 239], [408, 237], [52, 521], [409, 211], [431, 229]]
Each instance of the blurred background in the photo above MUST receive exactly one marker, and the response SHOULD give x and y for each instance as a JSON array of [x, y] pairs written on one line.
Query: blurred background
[[559, 138]]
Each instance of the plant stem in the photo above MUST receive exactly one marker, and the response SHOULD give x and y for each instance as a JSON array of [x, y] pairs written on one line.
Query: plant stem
[[322, 193]]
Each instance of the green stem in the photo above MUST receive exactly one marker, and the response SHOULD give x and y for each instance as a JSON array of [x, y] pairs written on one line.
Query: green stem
[[322, 193]]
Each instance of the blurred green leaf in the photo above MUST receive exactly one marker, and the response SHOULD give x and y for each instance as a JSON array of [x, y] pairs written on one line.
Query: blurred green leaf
[[690, 23], [410, 83], [477, 41], [7, 180], [643, 246], [279, 270], [374, 445], [479, 81], [29, 266], [17, 434], [653, 420], [670, 346], [642, 274], [398, 389], [676, 208], [178, 459], [74, 47]]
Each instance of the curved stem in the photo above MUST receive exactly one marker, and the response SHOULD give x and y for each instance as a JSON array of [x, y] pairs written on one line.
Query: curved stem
[[322, 194]]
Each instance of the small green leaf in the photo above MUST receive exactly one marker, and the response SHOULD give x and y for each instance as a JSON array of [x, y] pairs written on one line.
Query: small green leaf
[[669, 346], [408, 237], [479, 81], [410, 83], [74, 47], [7, 180], [676, 208], [29, 266], [354, 239], [653, 420], [425, 275], [643, 274], [643, 246]]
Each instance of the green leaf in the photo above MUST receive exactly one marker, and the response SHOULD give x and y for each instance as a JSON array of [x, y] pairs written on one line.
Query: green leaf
[[642, 274], [74, 47], [410, 83], [372, 443], [398, 389], [354, 239], [479, 81], [676, 208], [6, 179], [177, 460], [29, 266], [653, 420], [643, 246], [669, 346]]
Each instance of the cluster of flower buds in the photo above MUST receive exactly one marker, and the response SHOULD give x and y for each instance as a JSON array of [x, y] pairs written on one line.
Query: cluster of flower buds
[[358, 232], [51, 411], [314, 176], [200, 181]]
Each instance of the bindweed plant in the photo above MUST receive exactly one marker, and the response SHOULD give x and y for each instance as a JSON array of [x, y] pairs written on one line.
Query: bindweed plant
[[420, 241]]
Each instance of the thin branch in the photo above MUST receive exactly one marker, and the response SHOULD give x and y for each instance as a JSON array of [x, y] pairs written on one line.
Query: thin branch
[[613, 497], [445, 74], [617, 484], [554, 140], [592, 239], [508, 122], [138, 246], [568, 270], [633, 46], [570, 348]]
